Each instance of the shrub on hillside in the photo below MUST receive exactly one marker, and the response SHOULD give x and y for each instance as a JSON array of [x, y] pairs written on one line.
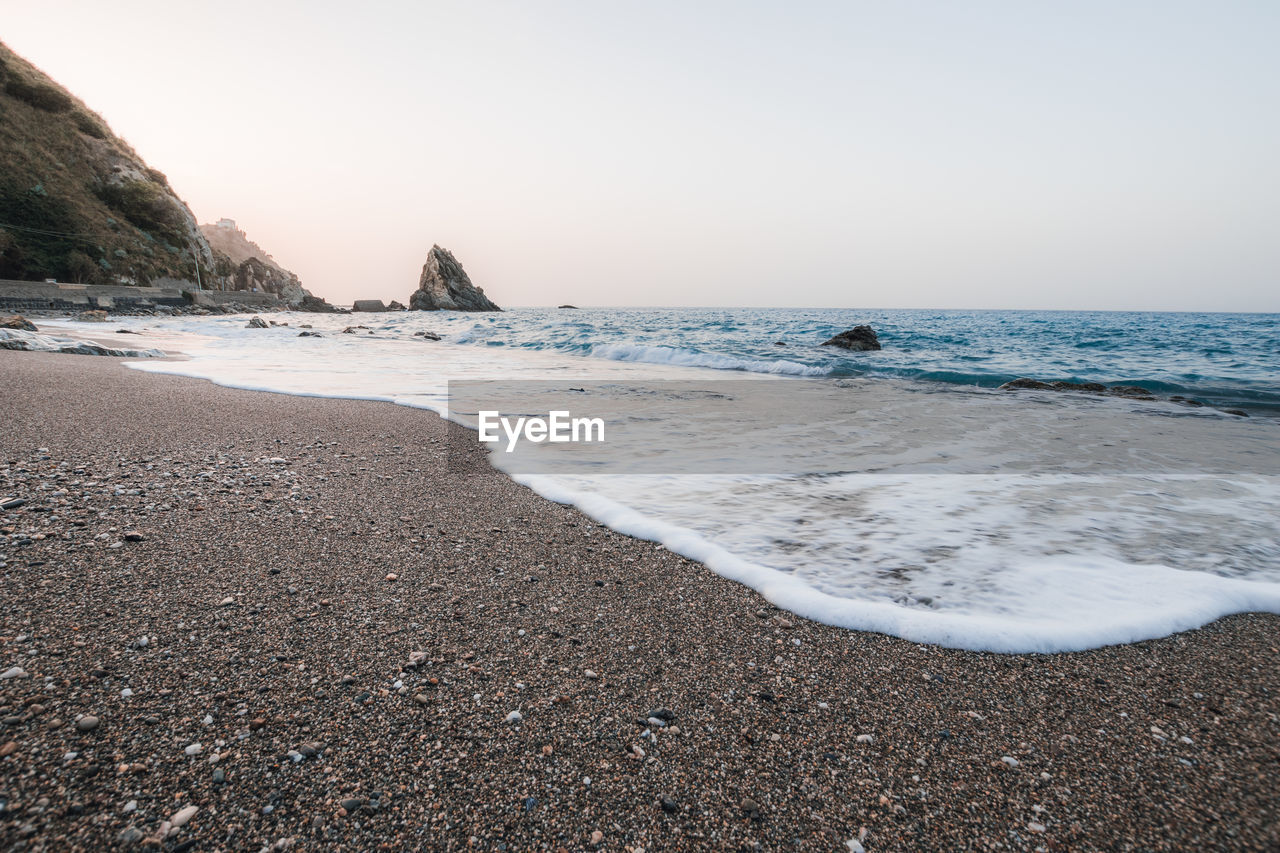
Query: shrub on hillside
[[41, 97], [90, 126], [145, 204]]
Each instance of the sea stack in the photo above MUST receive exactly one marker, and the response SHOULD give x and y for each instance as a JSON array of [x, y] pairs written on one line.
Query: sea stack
[[445, 286]]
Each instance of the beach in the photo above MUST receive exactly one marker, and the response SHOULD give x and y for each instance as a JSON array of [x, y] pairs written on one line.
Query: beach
[[356, 639]]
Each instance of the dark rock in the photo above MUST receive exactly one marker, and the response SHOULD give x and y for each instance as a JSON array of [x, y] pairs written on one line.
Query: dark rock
[[87, 723], [310, 335], [368, 305], [429, 336], [351, 803], [1024, 384], [395, 306], [664, 714], [445, 286], [13, 504], [574, 307], [668, 805], [256, 322], [751, 808], [858, 339], [1241, 412]]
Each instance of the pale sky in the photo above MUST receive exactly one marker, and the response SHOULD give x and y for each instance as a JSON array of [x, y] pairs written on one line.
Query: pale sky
[[1110, 155]]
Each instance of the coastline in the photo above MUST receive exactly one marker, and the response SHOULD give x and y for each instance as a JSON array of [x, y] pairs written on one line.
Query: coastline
[[374, 495]]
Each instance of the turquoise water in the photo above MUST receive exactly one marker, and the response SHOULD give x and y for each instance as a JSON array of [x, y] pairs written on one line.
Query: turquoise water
[[1220, 359]]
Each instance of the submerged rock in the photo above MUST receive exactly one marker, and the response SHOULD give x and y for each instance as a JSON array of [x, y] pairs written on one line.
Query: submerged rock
[[445, 286], [858, 339], [256, 322], [1132, 391]]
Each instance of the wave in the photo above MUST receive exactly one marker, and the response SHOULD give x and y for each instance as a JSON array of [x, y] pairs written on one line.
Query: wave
[[693, 358]]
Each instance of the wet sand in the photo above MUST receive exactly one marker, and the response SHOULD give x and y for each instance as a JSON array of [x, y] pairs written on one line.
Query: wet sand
[[250, 538]]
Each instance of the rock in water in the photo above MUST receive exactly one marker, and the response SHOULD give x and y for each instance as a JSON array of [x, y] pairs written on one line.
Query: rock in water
[[444, 286], [371, 305], [858, 339], [17, 321]]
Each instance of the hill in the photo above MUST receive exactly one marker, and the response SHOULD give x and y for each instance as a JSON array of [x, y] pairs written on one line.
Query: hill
[[79, 205]]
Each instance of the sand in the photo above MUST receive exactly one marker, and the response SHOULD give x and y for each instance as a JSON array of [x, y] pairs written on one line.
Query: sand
[[252, 540]]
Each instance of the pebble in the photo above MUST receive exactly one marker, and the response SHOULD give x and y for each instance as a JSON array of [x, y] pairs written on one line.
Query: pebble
[[668, 805], [130, 807], [193, 749], [181, 816], [391, 576], [864, 739], [87, 723], [351, 803], [13, 672], [133, 536], [515, 717], [8, 749], [597, 837], [1034, 826], [590, 674], [1010, 760], [227, 602]]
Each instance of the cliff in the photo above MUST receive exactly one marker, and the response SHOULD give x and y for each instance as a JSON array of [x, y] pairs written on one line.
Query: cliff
[[248, 267], [445, 286]]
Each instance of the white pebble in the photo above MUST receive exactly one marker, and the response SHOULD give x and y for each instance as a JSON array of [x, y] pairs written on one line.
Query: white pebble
[[864, 738], [13, 672], [131, 807], [823, 705], [182, 816], [126, 693], [1010, 760], [586, 780], [208, 719], [1033, 826], [515, 717], [194, 749]]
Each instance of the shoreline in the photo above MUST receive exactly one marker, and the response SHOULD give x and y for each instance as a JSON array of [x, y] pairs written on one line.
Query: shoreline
[[478, 559]]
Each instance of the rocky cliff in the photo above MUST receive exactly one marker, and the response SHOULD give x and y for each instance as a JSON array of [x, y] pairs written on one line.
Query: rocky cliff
[[248, 267], [445, 286]]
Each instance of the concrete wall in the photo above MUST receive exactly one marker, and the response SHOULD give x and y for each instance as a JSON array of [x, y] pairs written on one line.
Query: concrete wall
[[18, 296]]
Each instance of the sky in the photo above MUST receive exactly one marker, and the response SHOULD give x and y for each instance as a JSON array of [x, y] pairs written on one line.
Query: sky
[[1091, 155]]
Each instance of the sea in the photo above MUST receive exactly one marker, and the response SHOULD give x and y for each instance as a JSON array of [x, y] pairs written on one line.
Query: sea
[[898, 491]]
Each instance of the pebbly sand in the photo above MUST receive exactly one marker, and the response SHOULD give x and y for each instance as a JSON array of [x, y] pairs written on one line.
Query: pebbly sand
[[249, 537]]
